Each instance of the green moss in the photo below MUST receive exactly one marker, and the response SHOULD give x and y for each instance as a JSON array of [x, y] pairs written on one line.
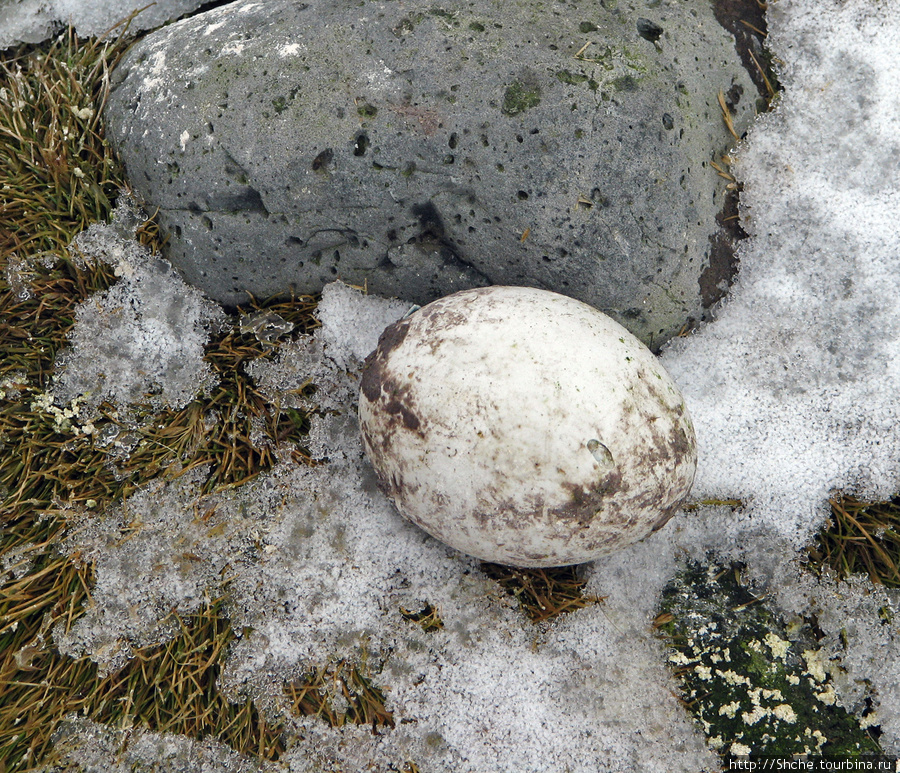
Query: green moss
[[624, 83], [749, 681], [444, 14], [572, 78], [406, 25], [636, 61], [520, 96], [365, 110]]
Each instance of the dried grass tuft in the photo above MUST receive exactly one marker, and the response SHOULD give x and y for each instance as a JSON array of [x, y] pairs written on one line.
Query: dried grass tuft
[[543, 593], [861, 538]]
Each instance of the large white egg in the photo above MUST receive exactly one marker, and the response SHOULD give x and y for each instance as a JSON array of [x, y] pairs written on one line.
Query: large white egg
[[524, 427]]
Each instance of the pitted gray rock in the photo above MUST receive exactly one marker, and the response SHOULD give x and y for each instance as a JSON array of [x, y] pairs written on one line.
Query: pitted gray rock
[[419, 149]]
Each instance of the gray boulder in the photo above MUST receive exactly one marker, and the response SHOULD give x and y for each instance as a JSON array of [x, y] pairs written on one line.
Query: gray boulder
[[32, 21], [421, 148]]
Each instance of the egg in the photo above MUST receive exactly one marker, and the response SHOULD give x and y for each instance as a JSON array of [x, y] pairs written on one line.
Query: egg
[[524, 427]]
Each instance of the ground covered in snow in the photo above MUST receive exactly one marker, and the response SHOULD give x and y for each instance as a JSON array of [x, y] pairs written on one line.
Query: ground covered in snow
[[793, 393]]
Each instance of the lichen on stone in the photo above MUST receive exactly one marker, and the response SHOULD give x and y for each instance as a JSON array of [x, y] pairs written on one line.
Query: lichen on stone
[[750, 681]]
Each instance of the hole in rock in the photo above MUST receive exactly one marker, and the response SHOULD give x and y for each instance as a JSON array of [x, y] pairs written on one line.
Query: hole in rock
[[648, 30], [323, 160]]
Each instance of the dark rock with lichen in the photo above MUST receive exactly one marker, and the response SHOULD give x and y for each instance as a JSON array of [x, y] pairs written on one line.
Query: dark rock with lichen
[[419, 149]]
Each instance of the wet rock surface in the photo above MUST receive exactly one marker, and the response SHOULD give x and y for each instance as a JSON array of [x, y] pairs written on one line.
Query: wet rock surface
[[419, 149]]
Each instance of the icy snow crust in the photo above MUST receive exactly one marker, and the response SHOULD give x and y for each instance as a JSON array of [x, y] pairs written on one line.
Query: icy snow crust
[[793, 392], [143, 336], [793, 389]]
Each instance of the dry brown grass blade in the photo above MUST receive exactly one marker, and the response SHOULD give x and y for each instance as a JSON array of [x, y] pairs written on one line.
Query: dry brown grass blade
[[348, 685], [694, 506], [757, 30], [726, 116], [770, 89], [861, 537], [723, 172], [543, 593], [428, 617]]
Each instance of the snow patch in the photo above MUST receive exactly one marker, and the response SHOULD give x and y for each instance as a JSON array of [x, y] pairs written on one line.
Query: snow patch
[[792, 390], [140, 341]]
